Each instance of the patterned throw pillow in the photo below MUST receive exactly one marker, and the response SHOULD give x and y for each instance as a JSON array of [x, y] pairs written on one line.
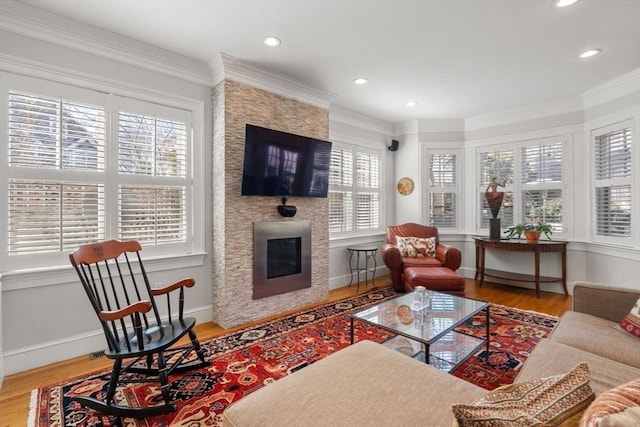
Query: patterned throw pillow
[[413, 247], [631, 322], [619, 406], [543, 402]]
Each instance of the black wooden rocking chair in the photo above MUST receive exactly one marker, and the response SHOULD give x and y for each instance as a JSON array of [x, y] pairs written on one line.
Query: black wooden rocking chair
[[114, 278]]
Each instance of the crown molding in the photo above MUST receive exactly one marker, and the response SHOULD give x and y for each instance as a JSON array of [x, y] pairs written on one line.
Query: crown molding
[[229, 68], [523, 114], [429, 126], [35, 23], [626, 84], [359, 120]]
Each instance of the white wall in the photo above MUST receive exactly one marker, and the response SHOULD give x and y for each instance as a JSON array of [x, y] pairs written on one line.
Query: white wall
[[45, 314]]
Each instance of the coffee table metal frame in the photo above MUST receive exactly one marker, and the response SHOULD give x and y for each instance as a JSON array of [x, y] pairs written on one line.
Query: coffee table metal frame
[[444, 322]]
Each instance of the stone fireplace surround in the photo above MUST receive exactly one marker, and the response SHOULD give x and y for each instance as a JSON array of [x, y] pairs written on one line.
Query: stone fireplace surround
[[234, 105]]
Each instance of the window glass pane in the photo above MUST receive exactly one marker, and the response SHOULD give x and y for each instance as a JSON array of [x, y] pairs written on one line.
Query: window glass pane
[[55, 134], [505, 215], [442, 209], [151, 146], [613, 211], [543, 206], [442, 170], [498, 165], [340, 211], [542, 163], [152, 214], [613, 154], [53, 217], [367, 208], [341, 170], [367, 170]]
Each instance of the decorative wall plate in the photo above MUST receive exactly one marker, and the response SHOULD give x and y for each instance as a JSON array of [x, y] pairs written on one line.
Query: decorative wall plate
[[405, 186]]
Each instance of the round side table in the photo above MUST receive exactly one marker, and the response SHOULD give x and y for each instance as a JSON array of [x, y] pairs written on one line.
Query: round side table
[[365, 252]]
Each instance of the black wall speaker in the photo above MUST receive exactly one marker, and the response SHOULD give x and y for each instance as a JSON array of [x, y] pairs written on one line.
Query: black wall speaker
[[394, 145]]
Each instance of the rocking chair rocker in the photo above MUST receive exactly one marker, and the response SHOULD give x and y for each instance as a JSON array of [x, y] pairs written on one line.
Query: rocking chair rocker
[[114, 278]]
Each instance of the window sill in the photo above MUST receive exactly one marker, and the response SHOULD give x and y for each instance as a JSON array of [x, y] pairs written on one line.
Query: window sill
[[33, 278]]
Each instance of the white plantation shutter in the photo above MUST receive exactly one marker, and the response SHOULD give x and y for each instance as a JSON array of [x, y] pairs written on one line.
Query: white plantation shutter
[[151, 146], [443, 189], [367, 191], [541, 183], [498, 163], [53, 217], [612, 167], [340, 190], [354, 191], [152, 214], [54, 133], [54, 139]]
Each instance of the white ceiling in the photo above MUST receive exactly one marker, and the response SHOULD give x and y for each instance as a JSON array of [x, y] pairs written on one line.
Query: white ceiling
[[456, 58]]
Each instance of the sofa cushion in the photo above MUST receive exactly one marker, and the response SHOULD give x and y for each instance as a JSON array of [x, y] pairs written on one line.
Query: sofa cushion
[[597, 336], [364, 384], [544, 401], [611, 406], [553, 358], [415, 247], [631, 322], [421, 262]]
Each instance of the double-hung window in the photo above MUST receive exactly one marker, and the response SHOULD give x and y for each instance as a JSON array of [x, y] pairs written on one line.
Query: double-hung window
[[83, 166], [354, 191], [531, 175], [443, 189], [613, 181]]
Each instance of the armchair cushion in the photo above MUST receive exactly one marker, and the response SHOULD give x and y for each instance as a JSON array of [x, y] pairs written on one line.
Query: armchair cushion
[[414, 247]]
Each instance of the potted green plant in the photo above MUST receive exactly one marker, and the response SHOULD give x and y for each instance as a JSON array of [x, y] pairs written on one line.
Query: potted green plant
[[531, 231]]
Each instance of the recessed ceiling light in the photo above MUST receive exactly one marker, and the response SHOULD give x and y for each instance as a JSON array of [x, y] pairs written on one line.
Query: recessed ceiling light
[[272, 41], [589, 53], [360, 81], [412, 103], [564, 3]]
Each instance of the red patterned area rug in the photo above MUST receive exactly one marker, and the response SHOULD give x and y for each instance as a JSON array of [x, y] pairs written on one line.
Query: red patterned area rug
[[246, 360]]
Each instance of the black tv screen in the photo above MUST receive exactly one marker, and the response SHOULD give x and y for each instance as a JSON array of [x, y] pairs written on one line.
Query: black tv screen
[[283, 164]]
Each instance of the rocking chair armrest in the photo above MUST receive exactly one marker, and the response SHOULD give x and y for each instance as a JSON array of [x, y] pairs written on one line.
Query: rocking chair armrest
[[182, 283], [138, 307]]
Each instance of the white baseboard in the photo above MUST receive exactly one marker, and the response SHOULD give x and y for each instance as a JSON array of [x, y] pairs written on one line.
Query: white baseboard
[[49, 352]]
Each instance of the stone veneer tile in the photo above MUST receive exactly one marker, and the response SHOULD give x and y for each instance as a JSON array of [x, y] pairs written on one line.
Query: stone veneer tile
[[235, 105]]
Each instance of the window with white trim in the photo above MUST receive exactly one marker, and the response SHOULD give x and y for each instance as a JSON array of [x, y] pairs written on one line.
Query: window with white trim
[[443, 189], [532, 182], [612, 173], [354, 191], [84, 166]]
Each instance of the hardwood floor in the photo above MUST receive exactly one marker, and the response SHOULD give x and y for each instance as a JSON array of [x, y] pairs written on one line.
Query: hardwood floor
[[16, 389]]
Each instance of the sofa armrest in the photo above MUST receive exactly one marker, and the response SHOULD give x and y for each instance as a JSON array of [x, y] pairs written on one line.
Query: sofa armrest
[[393, 260], [604, 301], [449, 256]]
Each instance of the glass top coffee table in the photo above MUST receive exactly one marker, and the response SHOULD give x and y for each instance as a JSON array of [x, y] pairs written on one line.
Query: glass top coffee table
[[428, 334]]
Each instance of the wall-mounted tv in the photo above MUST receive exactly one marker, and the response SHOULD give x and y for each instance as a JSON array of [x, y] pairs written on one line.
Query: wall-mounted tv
[[283, 164]]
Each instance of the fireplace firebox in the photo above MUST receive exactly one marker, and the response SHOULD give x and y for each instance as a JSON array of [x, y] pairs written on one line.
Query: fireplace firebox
[[281, 257]]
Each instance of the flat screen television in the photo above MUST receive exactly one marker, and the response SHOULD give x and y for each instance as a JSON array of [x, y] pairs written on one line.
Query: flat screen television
[[283, 164]]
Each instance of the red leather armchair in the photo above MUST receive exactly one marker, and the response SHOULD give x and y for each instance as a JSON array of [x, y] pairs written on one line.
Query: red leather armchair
[[446, 256]]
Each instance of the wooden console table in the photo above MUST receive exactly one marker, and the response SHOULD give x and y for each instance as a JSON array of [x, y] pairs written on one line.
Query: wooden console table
[[518, 245]]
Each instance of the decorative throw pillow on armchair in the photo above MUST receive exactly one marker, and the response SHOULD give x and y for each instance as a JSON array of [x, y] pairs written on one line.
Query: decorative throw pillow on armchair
[[414, 247]]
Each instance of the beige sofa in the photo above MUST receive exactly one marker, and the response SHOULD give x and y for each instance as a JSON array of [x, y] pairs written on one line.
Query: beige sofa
[[368, 384]]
